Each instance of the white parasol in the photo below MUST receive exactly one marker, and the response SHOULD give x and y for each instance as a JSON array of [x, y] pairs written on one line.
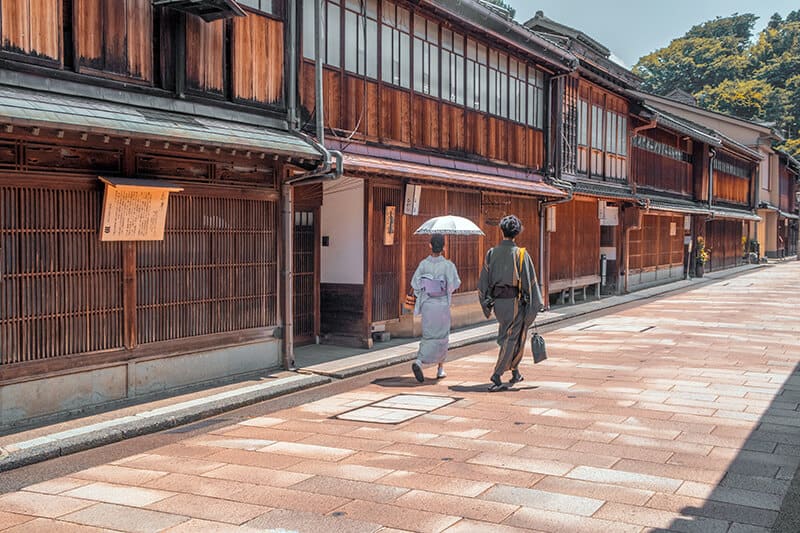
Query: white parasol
[[449, 225]]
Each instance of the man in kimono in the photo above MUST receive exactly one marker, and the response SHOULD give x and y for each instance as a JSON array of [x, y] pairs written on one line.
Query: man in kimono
[[508, 285], [434, 282]]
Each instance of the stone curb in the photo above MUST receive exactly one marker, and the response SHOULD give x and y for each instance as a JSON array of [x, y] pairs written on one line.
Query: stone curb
[[84, 438]]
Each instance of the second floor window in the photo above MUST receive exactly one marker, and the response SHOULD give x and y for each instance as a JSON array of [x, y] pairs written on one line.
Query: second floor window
[[477, 76], [396, 45], [361, 37], [426, 56], [535, 98], [452, 67], [498, 84]]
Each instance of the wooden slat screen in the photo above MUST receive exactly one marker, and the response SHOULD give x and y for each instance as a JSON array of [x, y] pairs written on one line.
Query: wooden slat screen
[[653, 246], [115, 37], [215, 271], [386, 258], [60, 287], [304, 265], [433, 203], [258, 59], [569, 140], [562, 242], [32, 27], [205, 53], [724, 243]]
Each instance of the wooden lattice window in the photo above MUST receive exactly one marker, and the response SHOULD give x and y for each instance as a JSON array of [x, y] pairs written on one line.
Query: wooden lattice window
[[214, 272], [60, 287]]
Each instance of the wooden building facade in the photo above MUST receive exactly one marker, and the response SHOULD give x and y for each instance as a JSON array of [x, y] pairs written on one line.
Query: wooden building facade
[[426, 98], [159, 96]]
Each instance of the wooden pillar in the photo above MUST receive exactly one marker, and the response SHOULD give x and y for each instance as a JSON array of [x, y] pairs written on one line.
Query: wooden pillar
[[368, 262], [129, 293]]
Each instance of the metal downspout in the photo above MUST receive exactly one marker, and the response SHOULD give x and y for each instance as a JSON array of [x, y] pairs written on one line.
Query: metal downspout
[[325, 172]]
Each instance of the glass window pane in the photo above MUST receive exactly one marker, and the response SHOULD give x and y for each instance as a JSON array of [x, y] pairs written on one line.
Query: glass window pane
[[459, 80], [309, 32], [458, 43], [447, 93], [447, 39], [334, 31], [386, 53], [471, 73], [418, 66], [372, 49], [388, 13], [484, 93], [492, 91], [405, 60], [351, 33], [419, 26], [372, 9], [403, 19], [434, 81]]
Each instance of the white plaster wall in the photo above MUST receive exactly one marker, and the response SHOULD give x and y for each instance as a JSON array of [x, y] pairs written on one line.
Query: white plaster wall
[[342, 261]]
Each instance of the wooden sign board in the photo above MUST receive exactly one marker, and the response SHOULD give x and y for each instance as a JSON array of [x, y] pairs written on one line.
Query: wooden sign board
[[413, 195], [389, 225], [134, 210]]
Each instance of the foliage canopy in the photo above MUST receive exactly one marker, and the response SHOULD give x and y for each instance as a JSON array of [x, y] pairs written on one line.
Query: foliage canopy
[[729, 71]]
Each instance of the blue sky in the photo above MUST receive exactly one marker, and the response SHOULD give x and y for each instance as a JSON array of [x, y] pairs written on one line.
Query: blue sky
[[632, 29]]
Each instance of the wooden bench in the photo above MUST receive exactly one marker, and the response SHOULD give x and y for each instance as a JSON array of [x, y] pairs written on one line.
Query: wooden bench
[[564, 286]]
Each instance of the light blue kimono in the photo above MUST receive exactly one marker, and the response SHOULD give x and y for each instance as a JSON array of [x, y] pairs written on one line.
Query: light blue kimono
[[434, 282]]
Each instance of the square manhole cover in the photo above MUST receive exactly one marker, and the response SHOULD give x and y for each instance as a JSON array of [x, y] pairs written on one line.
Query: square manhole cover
[[396, 409]]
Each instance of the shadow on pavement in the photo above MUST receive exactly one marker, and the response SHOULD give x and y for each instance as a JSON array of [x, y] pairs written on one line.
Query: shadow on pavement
[[767, 467]]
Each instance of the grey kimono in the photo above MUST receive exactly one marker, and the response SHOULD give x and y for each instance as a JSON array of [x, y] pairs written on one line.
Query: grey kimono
[[515, 297]]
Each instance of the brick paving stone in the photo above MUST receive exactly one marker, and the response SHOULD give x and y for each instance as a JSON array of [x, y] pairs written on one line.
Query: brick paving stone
[[392, 461], [748, 498], [476, 443], [121, 475], [12, 519], [272, 434], [196, 525], [348, 442], [48, 525], [755, 483], [57, 485], [263, 421], [353, 472], [43, 505], [395, 435], [712, 509], [399, 517], [250, 458], [474, 526], [746, 528], [357, 490], [540, 499], [512, 462], [480, 473], [436, 483], [625, 479], [322, 426], [568, 456], [466, 507], [670, 471], [221, 441], [122, 518], [183, 450], [430, 452], [627, 452], [770, 459], [284, 520], [257, 475], [554, 522], [533, 439], [619, 512], [308, 451], [660, 444], [600, 491], [123, 495], [162, 463], [209, 508]]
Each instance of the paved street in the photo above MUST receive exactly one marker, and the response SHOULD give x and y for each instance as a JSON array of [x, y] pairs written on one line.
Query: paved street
[[681, 413]]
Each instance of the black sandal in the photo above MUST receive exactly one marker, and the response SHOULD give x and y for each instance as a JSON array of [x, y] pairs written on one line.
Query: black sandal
[[497, 384], [516, 377], [417, 372]]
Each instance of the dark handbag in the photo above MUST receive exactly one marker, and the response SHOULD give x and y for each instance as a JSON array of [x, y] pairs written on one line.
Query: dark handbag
[[538, 347]]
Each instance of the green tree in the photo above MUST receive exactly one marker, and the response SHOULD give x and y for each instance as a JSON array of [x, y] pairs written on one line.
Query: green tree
[[707, 54], [750, 99]]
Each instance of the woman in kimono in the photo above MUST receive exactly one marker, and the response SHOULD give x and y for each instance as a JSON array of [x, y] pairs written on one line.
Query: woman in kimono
[[434, 282]]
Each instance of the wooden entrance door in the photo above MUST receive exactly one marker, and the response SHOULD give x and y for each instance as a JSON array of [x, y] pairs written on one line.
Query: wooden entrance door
[[306, 287]]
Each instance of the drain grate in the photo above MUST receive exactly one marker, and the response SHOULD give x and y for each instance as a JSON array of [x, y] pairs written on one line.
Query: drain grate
[[396, 409]]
